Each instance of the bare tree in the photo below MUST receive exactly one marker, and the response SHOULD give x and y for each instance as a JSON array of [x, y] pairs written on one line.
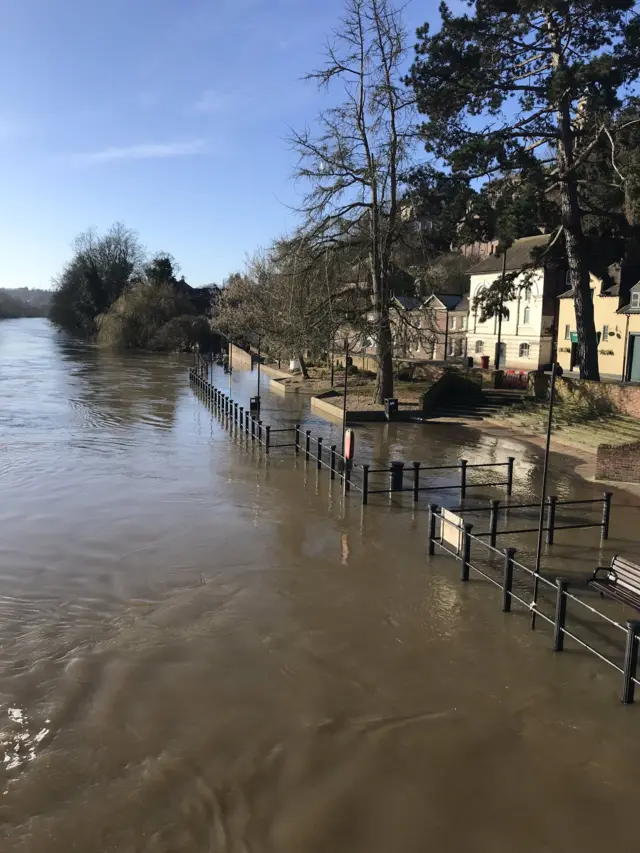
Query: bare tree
[[354, 161]]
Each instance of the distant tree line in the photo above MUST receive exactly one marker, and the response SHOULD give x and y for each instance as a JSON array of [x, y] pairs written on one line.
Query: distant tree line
[[111, 291], [24, 302]]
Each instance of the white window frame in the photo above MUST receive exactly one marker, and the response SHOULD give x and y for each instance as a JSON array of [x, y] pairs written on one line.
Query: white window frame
[[526, 354], [479, 347], [567, 332], [635, 300], [605, 333], [526, 316], [453, 323]]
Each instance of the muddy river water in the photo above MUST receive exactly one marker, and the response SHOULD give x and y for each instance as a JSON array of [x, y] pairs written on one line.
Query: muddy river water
[[200, 651]]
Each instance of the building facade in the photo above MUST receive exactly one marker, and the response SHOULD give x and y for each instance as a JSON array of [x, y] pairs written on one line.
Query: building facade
[[433, 329], [616, 312], [527, 333]]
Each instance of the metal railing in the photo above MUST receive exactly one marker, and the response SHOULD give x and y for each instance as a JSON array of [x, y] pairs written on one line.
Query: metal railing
[[461, 549]]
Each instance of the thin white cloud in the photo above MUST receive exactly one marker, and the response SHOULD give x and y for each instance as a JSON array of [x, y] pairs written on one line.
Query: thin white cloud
[[213, 102], [145, 151]]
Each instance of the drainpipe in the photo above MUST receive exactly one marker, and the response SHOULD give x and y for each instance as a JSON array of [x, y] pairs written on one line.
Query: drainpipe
[[446, 332], [625, 351]]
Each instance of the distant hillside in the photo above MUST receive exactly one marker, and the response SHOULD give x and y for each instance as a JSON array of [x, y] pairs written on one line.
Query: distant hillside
[[24, 302]]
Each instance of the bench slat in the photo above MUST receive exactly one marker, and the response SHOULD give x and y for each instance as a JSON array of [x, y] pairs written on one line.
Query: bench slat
[[621, 583]]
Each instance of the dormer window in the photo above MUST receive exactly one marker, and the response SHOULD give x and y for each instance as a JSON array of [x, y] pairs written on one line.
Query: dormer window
[[635, 300]]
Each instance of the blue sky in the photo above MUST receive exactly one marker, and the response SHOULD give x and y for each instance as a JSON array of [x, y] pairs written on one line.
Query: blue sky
[[167, 115]]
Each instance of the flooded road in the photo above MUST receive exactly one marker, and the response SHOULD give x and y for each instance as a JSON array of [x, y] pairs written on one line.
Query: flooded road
[[203, 652]]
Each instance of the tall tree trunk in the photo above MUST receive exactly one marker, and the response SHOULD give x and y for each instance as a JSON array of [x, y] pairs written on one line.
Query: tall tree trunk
[[580, 283], [384, 385], [303, 366], [572, 225]]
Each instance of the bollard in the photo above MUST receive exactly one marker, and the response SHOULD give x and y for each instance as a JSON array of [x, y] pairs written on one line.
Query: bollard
[[365, 484], [551, 518], [332, 462], [463, 478], [630, 661], [431, 540], [307, 445], [319, 457], [562, 585], [507, 579], [466, 552], [510, 461], [396, 476], [267, 441], [297, 439], [493, 523], [606, 514], [416, 481]]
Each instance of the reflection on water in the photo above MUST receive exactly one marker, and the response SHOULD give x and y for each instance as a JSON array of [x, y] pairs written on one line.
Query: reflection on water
[[201, 651]]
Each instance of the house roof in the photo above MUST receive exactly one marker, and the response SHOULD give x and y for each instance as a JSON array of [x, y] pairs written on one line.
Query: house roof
[[518, 255], [409, 303], [447, 300]]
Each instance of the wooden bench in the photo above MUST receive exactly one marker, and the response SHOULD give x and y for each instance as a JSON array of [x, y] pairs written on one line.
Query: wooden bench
[[620, 581]]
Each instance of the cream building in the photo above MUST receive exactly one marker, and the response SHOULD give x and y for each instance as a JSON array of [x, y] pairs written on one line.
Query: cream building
[[528, 333], [617, 320]]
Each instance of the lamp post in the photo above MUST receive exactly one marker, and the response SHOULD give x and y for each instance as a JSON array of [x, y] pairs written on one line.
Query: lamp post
[[499, 342], [543, 496]]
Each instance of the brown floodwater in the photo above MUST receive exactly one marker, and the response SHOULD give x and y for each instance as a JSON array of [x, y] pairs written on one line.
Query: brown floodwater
[[204, 651]]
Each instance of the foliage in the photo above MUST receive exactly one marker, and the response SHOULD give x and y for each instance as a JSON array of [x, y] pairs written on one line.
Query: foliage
[[290, 298], [97, 274], [153, 314], [24, 302], [507, 90]]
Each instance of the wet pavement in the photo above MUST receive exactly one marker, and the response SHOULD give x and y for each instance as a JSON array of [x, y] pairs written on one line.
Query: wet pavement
[[202, 650]]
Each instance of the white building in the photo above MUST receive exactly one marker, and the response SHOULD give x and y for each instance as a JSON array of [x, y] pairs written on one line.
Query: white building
[[529, 332]]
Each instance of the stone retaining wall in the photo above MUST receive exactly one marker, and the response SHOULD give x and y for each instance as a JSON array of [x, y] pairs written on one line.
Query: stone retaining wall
[[619, 462]]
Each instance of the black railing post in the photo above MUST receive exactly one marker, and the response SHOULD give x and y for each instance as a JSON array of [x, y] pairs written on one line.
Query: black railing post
[[307, 445], [466, 551], [510, 461], [493, 523], [562, 585], [551, 519], [416, 481], [463, 478], [507, 579], [332, 462], [630, 661], [297, 439], [253, 428], [346, 476], [267, 440], [431, 541], [260, 432], [241, 417], [365, 484], [319, 457], [606, 514], [396, 476]]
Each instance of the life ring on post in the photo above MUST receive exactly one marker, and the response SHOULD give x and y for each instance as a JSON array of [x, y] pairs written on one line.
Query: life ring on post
[[349, 444]]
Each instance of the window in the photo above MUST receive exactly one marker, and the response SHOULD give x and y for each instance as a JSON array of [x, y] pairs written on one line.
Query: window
[[605, 333], [479, 346], [453, 323], [527, 294], [567, 333], [459, 347], [635, 300], [463, 323], [524, 350], [526, 316], [450, 347]]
